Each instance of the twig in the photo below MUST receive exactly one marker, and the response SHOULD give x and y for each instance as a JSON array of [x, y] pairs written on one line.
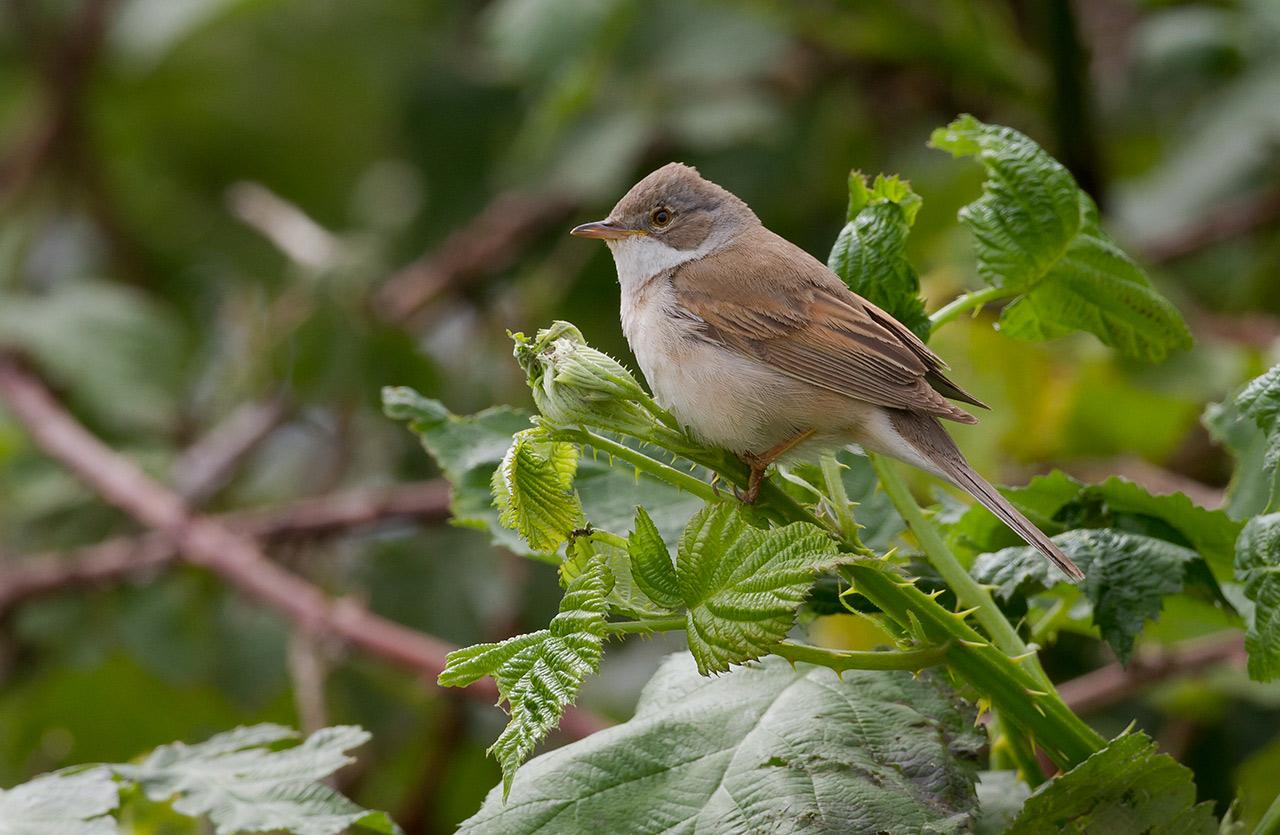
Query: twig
[[207, 465], [307, 665], [1114, 683], [234, 557], [489, 242]]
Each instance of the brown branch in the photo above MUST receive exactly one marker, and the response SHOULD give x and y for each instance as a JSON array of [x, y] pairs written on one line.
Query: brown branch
[[488, 243], [234, 557], [1114, 683], [1218, 226], [209, 463]]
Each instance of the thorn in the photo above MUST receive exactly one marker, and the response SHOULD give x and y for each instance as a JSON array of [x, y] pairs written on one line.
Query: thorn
[[935, 594], [1034, 693], [1031, 653], [973, 644], [1039, 709], [964, 614]]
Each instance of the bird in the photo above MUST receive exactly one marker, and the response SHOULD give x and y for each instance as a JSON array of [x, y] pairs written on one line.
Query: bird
[[755, 346]]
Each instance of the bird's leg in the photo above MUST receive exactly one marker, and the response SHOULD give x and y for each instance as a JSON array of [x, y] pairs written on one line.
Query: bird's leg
[[760, 463]]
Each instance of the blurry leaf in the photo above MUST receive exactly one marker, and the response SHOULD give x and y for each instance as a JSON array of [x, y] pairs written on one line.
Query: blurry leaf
[[533, 489], [1000, 798], [743, 585], [121, 355], [1037, 235], [651, 562], [870, 252], [245, 786], [766, 748], [1258, 568], [1260, 402], [1256, 784], [1253, 483], [61, 804], [539, 674], [1125, 787], [1126, 577]]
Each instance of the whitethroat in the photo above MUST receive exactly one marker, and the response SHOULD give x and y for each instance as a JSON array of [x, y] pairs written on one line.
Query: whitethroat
[[755, 346]]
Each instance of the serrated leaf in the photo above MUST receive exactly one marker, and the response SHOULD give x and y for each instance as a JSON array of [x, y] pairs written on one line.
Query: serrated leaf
[[1126, 787], [1037, 234], [743, 585], [243, 786], [539, 674], [627, 598], [870, 252], [767, 748], [1127, 576], [61, 804], [651, 564], [1258, 569], [533, 490]]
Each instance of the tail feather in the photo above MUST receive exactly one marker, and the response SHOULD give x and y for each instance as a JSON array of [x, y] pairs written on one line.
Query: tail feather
[[926, 437]]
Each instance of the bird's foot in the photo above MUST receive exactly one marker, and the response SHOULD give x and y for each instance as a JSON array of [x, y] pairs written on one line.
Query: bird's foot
[[760, 463]]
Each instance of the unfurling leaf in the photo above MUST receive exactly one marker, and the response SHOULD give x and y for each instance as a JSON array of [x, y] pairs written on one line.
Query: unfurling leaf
[[1126, 787], [539, 674], [1127, 576], [244, 786], [870, 252], [743, 585], [533, 490], [61, 804], [769, 748], [1258, 568], [1038, 236], [651, 562], [575, 384]]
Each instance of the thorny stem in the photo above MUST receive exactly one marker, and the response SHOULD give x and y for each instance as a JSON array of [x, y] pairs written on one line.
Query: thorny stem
[[969, 301], [642, 462], [840, 504]]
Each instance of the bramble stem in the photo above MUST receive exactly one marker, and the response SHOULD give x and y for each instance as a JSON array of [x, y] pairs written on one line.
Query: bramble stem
[[847, 659], [969, 301], [643, 627], [644, 463], [968, 592], [838, 497]]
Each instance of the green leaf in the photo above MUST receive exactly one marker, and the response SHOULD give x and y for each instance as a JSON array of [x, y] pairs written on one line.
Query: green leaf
[[768, 748], [540, 673], [61, 804], [870, 251], [1126, 787], [743, 585], [627, 597], [1038, 236], [1127, 576], [1259, 402], [245, 786], [533, 489], [1258, 569], [651, 564]]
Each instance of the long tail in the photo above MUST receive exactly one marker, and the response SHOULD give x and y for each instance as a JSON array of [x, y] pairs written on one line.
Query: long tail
[[927, 437]]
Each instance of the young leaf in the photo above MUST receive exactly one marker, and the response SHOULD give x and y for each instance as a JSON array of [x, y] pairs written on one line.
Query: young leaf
[[743, 585], [1037, 235], [1127, 576], [540, 673], [1260, 402], [870, 252], [533, 490], [769, 748], [627, 597], [1258, 568], [61, 804], [1126, 787], [244, 786], [651, 562]]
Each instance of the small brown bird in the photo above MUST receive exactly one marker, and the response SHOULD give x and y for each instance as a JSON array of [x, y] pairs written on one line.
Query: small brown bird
[[757, 347]]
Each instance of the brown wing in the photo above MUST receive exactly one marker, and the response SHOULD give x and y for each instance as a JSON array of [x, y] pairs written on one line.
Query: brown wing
[[787, 310]]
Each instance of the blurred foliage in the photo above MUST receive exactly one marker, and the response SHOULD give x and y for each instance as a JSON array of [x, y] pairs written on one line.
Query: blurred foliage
[[235, 181]]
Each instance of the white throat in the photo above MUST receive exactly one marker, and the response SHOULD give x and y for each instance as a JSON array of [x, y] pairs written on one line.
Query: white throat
[[640, 258]]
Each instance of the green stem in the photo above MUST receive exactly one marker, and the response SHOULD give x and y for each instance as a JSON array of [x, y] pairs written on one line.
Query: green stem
[[969, 301], [847, 659], [642, 462], [1270, 823], [644, 627], [1019, 749], [840, 504], [969, 593]]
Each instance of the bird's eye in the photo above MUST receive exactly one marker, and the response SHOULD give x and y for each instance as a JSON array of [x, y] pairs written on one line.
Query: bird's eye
[[660, 217]]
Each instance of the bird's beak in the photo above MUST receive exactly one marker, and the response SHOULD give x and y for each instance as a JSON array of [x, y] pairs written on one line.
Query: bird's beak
[[605, 230]]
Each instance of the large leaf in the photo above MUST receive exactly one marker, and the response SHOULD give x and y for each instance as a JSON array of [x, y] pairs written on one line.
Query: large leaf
[[1258, 568], [245, 786], [61, 804], [1127, 576], [533, 489], [539, 674], [743, 585], [767, 748], [1038, 236], [1126, 787], [870, 252]]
